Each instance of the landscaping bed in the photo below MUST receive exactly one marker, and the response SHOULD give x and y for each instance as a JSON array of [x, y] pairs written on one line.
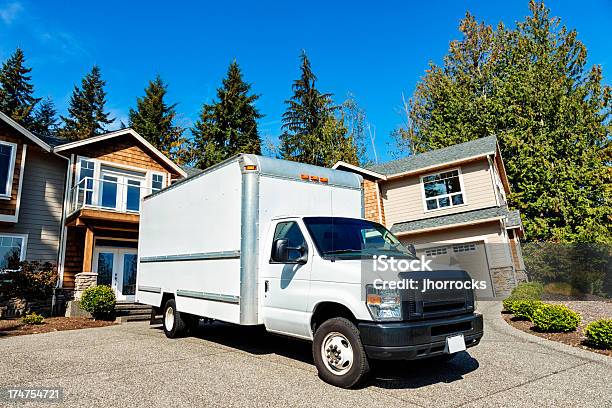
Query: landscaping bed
[[14, 327], [590, 311]]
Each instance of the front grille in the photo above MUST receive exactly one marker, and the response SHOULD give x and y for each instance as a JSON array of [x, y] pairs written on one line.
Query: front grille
[[431, 304], [442, 306], [450, 328]]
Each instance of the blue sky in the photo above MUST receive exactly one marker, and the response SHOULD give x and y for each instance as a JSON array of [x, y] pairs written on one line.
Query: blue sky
[[374, 50]]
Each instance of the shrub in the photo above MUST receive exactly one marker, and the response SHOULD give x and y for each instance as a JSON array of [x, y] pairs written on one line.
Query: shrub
[[524, 309], [32, 318], [524, 291], [528, 290], [555, 318], [99, 301], [599, 333], [29, 280]]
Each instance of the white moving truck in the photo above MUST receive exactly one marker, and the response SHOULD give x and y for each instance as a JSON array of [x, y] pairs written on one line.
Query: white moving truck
[[261, 241]]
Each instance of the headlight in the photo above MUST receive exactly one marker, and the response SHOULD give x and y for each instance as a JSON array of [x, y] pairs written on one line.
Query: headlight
[[384, 304]]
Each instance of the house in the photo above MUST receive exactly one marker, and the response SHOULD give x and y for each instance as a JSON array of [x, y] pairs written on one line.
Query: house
[[76, 204], [451, 205]]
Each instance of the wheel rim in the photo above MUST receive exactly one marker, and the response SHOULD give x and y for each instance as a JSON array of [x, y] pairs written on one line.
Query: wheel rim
[[169, 318], [337, 353]]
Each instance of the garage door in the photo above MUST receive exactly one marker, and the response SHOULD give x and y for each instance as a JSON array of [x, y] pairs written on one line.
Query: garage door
[[469, 256]]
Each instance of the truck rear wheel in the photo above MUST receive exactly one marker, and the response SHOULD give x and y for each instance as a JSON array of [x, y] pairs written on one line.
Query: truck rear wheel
[[339, 354], [174, 324]]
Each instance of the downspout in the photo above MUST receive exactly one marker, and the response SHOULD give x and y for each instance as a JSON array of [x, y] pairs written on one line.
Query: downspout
[[62, 242]]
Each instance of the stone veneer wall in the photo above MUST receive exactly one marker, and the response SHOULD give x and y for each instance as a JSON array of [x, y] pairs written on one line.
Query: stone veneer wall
[[504, 280], [83, 281]]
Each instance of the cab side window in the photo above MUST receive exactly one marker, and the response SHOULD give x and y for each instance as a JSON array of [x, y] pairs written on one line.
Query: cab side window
[[290, 231]]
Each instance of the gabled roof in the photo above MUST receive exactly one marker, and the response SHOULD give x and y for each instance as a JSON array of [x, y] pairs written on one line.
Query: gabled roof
[[37, 140], [122, 132], [458, 219], [475, 148]]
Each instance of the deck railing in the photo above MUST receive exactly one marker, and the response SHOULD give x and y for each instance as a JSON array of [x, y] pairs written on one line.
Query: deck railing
[[105, 194]]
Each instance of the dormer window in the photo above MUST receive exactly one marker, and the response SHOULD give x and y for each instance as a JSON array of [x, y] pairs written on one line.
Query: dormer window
[[8, 151], [442, 190]]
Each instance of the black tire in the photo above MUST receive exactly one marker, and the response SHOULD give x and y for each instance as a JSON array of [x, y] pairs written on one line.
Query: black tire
[[176, 326], [327, 372]]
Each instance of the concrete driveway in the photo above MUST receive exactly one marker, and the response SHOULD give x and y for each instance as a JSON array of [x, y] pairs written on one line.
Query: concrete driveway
[[134, 365]]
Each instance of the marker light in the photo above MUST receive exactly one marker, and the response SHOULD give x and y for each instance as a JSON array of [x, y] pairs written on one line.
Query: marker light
[[304, 176], [314, 178], [250, 167], [323, 179]]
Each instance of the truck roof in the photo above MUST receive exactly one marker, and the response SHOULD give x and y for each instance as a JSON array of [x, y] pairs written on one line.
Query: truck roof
[[279, 168]]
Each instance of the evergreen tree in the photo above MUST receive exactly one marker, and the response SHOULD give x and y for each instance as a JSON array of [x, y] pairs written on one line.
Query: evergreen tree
[[16, 89], [86, 116], [44, 120], [531, 87], [228, 125], [311, 131], [154, 120]]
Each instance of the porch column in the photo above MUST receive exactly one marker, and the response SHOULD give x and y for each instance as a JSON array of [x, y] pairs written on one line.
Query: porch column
[[88, 249]]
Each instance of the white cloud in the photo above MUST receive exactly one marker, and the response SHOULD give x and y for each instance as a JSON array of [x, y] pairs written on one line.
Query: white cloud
[[9, 12]]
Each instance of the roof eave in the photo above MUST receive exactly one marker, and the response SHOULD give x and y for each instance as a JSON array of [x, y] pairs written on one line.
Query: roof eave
[[25, 132], [442, 227], [357, 169], [110, 135], [438, 166]]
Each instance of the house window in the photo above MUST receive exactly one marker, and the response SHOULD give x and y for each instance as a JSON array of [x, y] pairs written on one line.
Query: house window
[[12, 251], [8, 152], [435, 251], [157, 182], [464, 248], [442, 190], [86, 180]]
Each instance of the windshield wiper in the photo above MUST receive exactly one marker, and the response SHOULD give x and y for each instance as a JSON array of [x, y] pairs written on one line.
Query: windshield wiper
[[341, 251]]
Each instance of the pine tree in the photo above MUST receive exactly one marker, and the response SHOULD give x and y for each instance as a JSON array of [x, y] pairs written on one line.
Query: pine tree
[[86, 116], [228, 125], [154, 120], [311, 131], [16, 89], [44, 120], [531, 87]]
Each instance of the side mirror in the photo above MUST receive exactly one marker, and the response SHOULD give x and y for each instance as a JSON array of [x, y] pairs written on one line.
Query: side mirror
[[280, 251], [411, 249]]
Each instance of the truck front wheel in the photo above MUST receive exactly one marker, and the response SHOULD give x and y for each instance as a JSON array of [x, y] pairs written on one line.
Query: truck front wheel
[[174, 324], [338, 353]]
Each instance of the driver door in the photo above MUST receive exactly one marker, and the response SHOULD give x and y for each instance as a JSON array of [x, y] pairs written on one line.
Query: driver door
[[286, 285]]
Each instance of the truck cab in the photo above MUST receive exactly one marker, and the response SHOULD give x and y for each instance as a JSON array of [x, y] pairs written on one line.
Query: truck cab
[[314, 287]]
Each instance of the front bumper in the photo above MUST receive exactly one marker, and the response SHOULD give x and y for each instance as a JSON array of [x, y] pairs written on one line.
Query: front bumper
[[418, 339]]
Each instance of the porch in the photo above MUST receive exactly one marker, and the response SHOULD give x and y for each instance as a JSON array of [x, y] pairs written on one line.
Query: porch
[[102, 233]]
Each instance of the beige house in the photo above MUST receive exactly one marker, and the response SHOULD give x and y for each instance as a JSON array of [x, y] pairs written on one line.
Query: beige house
[[451, 204]]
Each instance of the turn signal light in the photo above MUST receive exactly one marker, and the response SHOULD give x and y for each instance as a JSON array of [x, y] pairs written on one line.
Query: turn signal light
[[374, 299], [250, 167]]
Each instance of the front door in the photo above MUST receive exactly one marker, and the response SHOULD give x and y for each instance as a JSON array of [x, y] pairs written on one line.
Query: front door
[[116, 267]]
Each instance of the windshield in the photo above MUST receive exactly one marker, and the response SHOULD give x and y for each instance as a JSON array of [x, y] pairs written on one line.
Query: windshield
[[353, 237]]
